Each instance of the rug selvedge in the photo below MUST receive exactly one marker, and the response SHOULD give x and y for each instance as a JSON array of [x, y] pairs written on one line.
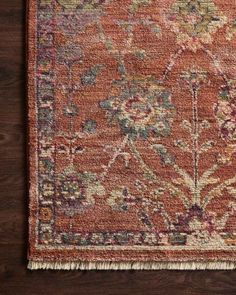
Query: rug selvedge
[[132, 116]]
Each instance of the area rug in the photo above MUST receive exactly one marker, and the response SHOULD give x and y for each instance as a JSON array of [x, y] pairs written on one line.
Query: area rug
[[132, 134]]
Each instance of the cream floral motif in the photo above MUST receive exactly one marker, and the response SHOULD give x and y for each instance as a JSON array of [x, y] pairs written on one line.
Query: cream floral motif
[[194, 22], [120, 199], [231, 30]]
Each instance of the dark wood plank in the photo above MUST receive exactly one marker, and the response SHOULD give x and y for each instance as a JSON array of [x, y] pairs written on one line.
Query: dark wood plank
[[14, 276]]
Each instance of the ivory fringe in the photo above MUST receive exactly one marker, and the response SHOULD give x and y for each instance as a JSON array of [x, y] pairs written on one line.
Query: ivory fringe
[[220, 265]]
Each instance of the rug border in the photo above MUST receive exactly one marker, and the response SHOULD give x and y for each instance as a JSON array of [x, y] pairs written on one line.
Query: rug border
[[125, 264], [31, 148], [219, 265]]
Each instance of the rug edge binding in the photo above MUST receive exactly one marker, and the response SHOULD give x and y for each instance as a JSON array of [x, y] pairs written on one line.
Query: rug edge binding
[[217, 265]]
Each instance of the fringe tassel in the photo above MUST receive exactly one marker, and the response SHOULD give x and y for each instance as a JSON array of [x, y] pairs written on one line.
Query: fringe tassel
[[224, 265]]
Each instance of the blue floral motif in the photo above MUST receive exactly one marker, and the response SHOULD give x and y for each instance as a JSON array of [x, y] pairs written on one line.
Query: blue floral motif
[[143, 108]]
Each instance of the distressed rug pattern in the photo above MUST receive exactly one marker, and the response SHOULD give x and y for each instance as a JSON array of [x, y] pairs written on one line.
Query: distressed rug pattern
[[132, 134]]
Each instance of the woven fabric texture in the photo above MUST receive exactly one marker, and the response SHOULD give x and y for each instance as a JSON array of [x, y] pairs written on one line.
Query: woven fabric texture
[[132, 134]]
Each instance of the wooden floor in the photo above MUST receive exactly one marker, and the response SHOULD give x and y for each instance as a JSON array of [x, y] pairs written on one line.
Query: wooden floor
[[14, 277]]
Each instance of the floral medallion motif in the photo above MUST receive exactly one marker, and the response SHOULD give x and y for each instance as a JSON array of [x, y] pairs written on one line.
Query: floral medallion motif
[[77, 191], [142, 108], [195, 22]]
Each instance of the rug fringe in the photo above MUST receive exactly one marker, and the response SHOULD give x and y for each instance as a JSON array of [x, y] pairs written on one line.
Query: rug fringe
[[224, 265]]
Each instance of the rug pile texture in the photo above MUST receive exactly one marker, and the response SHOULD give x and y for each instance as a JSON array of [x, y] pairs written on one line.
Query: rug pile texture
[[132, 134]]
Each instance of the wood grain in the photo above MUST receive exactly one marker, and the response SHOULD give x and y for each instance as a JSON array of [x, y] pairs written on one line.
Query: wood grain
[[14, 276]]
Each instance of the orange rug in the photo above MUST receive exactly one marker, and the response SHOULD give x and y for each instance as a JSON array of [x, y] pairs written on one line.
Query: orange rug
[[132, 134]]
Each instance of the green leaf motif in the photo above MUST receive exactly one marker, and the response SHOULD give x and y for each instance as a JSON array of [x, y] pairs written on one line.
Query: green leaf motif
[[161, 150], [137, 3]]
